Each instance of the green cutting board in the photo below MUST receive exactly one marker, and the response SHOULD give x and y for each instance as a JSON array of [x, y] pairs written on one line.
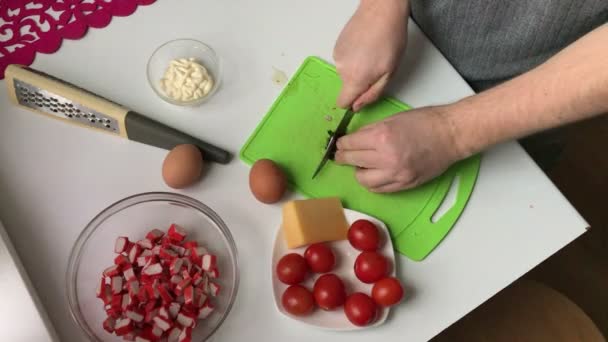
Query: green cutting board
[[294, 133]]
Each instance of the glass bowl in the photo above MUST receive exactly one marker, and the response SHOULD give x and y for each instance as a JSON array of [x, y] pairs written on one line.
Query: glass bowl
[[183, 48], [133, 217]]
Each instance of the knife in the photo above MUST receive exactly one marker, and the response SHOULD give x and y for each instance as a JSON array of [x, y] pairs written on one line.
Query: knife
[[330, 150]]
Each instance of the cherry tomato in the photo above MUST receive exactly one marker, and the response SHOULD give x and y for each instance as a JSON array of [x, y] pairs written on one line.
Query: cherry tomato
[[297, 300], [329, 292], [320, 258], [292, 269], [387, 291], [364, 235], [370, 267], [360, 309]]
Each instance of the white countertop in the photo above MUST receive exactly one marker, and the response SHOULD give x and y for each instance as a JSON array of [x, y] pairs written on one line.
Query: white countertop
[[23, 317], [55, 177]]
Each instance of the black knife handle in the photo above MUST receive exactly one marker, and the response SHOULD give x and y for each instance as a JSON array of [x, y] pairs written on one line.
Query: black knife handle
[[145, 130]]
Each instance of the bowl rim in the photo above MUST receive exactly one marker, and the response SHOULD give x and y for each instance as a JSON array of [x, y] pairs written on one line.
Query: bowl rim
[[216, 81], [85, 234]]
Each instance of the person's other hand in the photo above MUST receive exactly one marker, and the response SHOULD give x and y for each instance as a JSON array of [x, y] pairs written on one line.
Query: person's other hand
[[401, 152], [368, 50]]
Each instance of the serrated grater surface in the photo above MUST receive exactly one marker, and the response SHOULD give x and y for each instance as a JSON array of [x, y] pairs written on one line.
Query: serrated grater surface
[[39, 99]]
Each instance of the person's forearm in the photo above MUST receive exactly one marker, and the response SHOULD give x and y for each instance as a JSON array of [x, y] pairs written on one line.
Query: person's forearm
[[399, 6], [571, 86]]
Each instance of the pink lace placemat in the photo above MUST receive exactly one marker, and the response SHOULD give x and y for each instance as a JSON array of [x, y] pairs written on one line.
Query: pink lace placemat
[[28, 27]]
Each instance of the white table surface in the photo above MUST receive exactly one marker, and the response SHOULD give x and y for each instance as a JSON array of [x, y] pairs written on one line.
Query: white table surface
[[54, 177], [21, 313]]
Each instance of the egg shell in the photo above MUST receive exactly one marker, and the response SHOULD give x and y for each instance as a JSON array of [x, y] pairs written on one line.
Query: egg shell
[[182, 166], [267, 181]]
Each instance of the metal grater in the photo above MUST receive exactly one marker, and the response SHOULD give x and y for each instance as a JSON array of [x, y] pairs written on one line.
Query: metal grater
[[53, 97], [43, 100]]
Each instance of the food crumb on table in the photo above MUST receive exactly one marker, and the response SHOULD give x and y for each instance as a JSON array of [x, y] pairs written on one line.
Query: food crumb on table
[[278, 76]]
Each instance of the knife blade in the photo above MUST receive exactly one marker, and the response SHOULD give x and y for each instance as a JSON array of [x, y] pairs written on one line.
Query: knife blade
[[333, 139]]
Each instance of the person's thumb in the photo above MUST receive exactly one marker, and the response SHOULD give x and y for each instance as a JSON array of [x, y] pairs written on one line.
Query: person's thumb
[[371, 94], [350, 91]]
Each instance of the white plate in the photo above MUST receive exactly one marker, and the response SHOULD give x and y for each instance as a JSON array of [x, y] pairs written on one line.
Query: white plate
[[345, 261]]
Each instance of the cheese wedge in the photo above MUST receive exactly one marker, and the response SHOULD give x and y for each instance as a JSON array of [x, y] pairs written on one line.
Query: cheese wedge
[[314, 220]]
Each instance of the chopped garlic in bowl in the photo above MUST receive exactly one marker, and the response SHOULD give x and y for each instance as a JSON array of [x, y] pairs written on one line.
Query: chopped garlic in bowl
[[186, 80], [184, 72]]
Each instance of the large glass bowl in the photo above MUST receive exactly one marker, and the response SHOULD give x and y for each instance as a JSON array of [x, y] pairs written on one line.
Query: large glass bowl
[[133, 217]]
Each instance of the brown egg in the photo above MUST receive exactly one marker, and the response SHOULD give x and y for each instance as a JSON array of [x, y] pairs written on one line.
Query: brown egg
[[183, 166], [267, 181]]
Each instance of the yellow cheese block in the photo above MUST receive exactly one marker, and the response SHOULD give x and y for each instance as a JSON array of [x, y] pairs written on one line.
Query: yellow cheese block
[[314, 220]]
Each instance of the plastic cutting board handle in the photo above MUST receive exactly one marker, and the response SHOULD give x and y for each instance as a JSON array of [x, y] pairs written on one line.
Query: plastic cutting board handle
[[423, 235]]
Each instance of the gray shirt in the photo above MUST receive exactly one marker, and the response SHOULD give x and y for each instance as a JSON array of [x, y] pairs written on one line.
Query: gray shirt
[[490, 41]]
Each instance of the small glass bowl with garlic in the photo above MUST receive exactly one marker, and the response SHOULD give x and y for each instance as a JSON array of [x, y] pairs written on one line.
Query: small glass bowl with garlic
[[184, 72]]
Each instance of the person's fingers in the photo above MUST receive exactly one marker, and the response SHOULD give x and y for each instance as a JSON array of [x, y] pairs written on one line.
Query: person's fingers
[[373, 178], [360, 158], [372, 93], [351, 90], [363, 139], [386, 188]]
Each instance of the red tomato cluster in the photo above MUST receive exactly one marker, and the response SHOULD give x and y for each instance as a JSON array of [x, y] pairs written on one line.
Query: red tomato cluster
[[370, 267], [328, 292]]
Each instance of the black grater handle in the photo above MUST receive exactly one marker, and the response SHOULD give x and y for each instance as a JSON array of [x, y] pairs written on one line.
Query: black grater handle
[[147, 131]]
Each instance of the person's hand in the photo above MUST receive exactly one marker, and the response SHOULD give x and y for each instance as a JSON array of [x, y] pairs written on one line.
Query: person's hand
[[368, 50], [402, 151]]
